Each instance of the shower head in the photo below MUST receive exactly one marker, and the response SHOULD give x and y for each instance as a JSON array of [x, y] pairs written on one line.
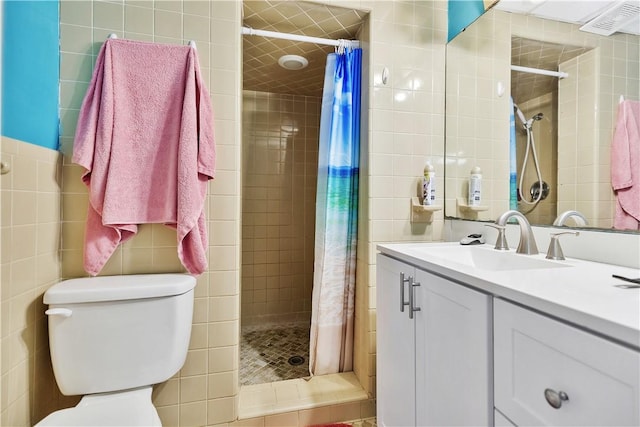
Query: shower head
[[535, 118], [526, 124]]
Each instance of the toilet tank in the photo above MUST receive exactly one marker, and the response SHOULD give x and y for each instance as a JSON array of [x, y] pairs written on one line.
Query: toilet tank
[[118, 332]]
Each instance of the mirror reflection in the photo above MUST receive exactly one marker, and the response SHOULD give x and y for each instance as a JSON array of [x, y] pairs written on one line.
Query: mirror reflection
[[535, 124], [549, 150]]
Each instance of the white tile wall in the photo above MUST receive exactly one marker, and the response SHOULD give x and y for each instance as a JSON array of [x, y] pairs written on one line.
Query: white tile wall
[[186, 399], [29, 264], [280, 154]]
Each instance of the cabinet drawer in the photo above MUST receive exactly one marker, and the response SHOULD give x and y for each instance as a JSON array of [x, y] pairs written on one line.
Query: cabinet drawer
[[533, 353]]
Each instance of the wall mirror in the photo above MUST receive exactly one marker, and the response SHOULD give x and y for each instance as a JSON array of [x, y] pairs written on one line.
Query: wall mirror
[[564, 122]]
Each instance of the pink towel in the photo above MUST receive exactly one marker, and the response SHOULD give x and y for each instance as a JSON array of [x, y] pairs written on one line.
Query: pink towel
[[625, 166], [145, 138]]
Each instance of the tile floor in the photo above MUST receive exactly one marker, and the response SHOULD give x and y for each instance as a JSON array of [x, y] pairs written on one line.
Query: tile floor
[[265, 351]]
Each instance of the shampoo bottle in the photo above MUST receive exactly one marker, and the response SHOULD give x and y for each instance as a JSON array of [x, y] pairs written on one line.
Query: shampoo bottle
[[475, 187], [429, 185]]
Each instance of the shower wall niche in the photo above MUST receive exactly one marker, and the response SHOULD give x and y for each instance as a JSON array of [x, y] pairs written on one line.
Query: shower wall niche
[[279, 172]]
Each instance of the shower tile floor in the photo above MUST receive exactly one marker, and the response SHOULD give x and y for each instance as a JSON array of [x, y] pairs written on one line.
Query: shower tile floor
[[266, 349]]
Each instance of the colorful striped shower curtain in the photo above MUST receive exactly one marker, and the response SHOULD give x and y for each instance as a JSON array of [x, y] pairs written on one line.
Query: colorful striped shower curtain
[[331, 343], [513, 172]]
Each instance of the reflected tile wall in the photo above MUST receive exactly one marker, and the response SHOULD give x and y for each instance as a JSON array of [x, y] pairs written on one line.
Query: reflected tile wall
[[579, 166], [478, 117]]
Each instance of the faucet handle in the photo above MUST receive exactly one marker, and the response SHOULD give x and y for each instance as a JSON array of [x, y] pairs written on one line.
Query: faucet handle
[[555, 251], [501, 241]]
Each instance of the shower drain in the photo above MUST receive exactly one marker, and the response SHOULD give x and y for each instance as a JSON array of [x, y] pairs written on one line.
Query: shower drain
[[296, 360]]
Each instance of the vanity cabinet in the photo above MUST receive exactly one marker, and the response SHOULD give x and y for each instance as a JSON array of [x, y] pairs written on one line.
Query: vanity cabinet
[[497, 347], [550, 373], [434, 364], [395, 341]]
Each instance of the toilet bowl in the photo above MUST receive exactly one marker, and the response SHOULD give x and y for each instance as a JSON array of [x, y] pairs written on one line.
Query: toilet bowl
[[111, 339]]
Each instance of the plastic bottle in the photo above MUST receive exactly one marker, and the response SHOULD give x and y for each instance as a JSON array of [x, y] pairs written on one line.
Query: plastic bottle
[[429, 185], [475, 187]]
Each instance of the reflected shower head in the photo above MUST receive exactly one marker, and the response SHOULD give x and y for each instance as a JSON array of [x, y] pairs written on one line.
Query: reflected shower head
[[526, 124], [529, 123]]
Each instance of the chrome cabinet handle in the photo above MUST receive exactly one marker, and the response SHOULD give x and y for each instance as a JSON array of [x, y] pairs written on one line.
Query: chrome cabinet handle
[[555, 398], [412, 291], [403, 280]]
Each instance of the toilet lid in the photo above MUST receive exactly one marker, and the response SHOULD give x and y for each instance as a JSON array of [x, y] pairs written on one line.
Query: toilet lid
[[108, 413], [118, 288]]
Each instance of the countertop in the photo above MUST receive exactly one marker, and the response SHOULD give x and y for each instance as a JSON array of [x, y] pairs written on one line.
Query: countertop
[[582, 294]]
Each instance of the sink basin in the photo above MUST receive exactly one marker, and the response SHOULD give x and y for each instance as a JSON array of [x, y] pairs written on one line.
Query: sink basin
[[487, 258]]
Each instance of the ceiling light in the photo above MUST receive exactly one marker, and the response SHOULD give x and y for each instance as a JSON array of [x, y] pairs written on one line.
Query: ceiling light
[[293, 62]]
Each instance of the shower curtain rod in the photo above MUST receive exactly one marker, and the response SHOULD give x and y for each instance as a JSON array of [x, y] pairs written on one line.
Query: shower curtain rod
[[295, 37], [558, 74]]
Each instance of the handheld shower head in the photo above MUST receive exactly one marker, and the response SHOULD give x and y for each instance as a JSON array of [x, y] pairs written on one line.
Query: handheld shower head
[[535, 118], [526, 123]]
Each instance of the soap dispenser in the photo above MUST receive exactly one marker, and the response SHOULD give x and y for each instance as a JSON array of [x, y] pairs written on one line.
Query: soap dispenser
[[429, 185], [475, 186]]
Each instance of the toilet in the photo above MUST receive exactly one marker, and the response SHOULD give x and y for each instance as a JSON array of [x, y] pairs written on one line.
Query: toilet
[[111, 339]]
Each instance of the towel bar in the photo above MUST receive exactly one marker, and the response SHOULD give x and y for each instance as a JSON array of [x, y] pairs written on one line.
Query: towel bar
[[191, 43]]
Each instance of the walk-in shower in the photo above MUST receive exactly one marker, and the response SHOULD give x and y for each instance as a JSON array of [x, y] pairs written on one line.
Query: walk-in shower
[[280, 134]]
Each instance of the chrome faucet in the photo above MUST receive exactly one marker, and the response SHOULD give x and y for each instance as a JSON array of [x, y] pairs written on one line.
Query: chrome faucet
[[527, 244], [580, 220], [555, 251], [501, 241]]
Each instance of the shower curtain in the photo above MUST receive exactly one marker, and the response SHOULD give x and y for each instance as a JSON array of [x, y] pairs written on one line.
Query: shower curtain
[[513, 168], [331, 339]]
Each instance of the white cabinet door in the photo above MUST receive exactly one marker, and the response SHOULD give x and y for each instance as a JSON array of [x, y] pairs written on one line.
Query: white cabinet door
[[550, 373], [453, 354], [395, 373]]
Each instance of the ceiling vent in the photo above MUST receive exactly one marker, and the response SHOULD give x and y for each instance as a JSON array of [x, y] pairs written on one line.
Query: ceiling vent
[[613, 19]]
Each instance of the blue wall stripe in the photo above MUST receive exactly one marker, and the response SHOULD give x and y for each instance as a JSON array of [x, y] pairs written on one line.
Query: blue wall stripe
[[461, 14], [31, 71]]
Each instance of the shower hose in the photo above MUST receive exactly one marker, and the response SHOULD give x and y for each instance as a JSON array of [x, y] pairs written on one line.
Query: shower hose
[[531, 146]]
